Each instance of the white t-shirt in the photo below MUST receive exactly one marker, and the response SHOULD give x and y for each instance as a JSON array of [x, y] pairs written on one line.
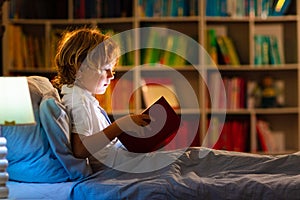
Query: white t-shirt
[[87, 119], [84, 111]]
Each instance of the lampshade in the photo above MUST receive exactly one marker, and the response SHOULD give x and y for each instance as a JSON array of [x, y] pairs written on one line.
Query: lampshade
[[15, 102]]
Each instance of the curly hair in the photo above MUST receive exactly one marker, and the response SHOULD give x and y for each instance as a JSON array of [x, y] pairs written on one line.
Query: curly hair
[[73, 48]]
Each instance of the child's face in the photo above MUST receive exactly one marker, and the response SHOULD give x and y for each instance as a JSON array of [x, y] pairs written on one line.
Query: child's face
[[105, 76]]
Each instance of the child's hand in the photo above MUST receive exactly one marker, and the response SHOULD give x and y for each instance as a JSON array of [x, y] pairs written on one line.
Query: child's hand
[[134, 123]]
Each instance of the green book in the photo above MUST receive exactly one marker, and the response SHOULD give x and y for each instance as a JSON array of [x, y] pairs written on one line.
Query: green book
[[211, 44], [258, 40], [152, 55], [275, 57]]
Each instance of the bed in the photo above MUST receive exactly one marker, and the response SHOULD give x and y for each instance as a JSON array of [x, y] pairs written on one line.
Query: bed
[[41, 166], [216, 175]]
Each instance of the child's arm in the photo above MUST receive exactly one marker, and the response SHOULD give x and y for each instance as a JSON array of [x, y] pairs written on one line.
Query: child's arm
[[84, 146]]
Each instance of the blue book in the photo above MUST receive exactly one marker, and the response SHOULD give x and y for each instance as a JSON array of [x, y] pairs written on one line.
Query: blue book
[[149, 8], [212, 8], [173, 8]]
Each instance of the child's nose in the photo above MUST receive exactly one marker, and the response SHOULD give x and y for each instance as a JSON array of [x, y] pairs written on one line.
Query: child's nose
[[110, 74]]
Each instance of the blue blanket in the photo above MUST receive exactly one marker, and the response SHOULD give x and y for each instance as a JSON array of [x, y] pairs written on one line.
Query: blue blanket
[[200, 173]]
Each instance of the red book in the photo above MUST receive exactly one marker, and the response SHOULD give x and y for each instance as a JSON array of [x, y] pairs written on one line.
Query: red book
[[169, 127]]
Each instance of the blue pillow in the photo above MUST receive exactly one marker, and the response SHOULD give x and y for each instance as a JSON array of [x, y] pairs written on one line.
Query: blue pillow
[[55, 121], [30, 158], [41, 152]]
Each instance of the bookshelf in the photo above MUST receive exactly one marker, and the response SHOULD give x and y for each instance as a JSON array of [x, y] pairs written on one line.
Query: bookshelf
[[192, 21]]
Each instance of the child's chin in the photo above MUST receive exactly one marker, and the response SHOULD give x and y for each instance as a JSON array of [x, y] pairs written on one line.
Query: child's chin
[[101, 91]]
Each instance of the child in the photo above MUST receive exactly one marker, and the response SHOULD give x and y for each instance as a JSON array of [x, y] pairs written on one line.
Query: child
[[85, 61]]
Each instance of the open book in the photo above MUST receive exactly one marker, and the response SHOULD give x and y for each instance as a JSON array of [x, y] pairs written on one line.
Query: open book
[[161, 130]]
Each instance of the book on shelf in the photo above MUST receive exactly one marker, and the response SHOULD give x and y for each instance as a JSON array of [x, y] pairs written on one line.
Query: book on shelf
[[272, 8], [174, 44], [279, 85], [213, 132], [232, 52], [153, 88], [275, 57], [151, 55], [253, 94], [231, 96], [269, 141], [268, 45], [263, 50], [154, 139], [217, 94], [25, 50], [237, 90], [258, 40], [212, 8], [128, 57], [185, 136], [236, 8], [125, 41], [265, 47], [240, 8], [102, 9], [223, 55], [38, 9], [154, 8], [55, 35], [118, 97], [122, 98], [14, 48], [227, 52], [211, 45], [232, 137]]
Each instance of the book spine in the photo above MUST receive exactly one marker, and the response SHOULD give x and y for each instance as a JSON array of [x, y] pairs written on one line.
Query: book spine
[[212, 8], [280, 89], [212, 45], [258, 40], [223, 51], [275, 57], [232, 52]]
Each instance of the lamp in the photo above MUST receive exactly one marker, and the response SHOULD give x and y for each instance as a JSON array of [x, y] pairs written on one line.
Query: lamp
[[15, 109]]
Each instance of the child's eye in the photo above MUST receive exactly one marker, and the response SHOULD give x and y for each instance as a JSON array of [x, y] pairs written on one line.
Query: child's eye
[[110, 70]]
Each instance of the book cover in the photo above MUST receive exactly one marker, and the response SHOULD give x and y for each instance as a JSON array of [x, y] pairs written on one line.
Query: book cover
[[155, 140]]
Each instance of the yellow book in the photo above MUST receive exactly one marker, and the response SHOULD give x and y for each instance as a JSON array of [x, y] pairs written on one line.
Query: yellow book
[[232, 53]]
